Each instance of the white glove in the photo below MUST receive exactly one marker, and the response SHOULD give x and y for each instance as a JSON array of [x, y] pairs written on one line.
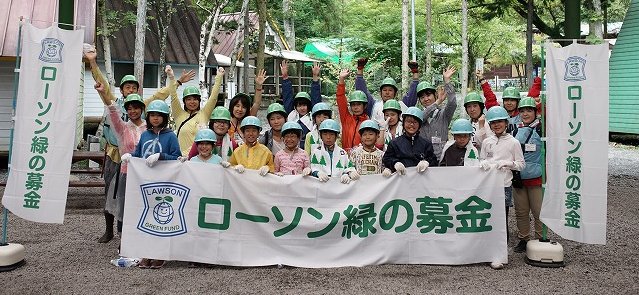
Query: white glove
[[183, 159], [263, 170], [353, 175], [505, 165], [485, 165], [152, 159], [345, 179], [239, 168], [401, 169], [323, 177], [421, 166], [306, 171], [387, 172], [280, 174], [126, 158], [225, 164], [383, 124]]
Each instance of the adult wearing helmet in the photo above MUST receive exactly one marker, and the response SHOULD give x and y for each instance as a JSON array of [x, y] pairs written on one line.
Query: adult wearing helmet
[[436, 118], [410, 149], [328, 159], [188, 118], [252, 154], [387, 91], [321, 111], [299, 107], [474, 106], [273, 138], [528, 196], [460, 151], [366, 157], [292, 159], [350, 119], [391, 127], [128, 85]]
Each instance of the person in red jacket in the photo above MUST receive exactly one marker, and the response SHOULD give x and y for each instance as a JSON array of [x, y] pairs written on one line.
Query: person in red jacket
[[350, 119]]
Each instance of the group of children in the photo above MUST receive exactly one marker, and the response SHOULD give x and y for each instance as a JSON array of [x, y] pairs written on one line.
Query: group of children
[[371, 137]]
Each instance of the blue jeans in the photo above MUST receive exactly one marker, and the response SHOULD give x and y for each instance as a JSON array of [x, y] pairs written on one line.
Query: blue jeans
[[508, 191]]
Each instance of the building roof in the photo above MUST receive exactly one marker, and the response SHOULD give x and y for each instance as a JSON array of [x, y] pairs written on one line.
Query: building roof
[[183, 40], [225, 39], [41, 13]]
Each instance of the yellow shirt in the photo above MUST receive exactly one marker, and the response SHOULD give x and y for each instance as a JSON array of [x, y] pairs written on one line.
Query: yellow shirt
[[253, 157]]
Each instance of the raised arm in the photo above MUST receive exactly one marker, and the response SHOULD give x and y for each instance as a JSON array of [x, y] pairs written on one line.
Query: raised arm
[[176, 109], [106, 96], [259, 81], [287, 88], [316, 91], [491, 98], [360, 84], [451, 104], [342, 105], [91, 55], [207, 110], [410, 99]]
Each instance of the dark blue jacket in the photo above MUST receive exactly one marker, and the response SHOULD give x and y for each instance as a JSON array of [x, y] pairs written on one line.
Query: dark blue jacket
[[409, 150], [165, 143], [288, 97]]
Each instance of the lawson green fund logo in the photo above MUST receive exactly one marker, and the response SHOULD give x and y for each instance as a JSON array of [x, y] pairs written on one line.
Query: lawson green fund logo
[[163, 213]]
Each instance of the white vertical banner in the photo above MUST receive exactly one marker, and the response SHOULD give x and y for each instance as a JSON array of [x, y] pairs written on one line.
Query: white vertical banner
[[44, 129], [574, 203]]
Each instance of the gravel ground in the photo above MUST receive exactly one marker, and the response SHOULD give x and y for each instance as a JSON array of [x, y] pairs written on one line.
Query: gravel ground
[[67, 259]]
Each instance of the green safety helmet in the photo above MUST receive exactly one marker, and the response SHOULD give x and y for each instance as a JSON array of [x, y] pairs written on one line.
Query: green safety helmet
[[158, 106], [321, 107], [302, 96], [423, 85], [221, 113], [527, 102], [388, 81], [473, 97], [191, 90], [330, 125], [393, 105], [357, 96], [461, 126], [133, 98], [512, 93], [414, 112], [292, 127], [496, 113], [129, 79], [205, 135], [251, 121], [368, 124], [275, 108]]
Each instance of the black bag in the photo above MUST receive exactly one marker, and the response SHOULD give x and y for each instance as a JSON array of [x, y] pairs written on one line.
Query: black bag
[[517, 182]]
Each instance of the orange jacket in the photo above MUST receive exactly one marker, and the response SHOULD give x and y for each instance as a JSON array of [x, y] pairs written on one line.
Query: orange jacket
[[350, 122]]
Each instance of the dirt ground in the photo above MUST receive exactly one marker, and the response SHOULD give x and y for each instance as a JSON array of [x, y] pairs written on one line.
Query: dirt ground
[[67, 259]]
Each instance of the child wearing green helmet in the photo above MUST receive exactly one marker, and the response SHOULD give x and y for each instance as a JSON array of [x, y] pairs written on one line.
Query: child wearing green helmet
[[292, 159], [273, 139], [252, 154], [205, 141], [321, 111], [329, 159], [460, 151], [366, 157], [390, 128], [220, 123], [188, 118], [299, 107]]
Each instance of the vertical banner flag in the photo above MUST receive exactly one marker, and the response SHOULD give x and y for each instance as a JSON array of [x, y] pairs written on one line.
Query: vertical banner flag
[[204, 213], [42, 147], [574, 203]]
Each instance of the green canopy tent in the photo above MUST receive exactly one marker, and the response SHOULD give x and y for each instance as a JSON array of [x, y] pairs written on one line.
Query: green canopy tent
[[331, 50]]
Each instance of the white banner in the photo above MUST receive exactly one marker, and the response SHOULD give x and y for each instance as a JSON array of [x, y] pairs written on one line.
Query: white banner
[[204, 213], [42, 147], [577, 145]]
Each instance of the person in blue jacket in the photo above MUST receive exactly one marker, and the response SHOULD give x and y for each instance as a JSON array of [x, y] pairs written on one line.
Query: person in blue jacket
[[410, 149], [299, 107]]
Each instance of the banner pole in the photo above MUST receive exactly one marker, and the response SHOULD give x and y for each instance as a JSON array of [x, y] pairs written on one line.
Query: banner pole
[[5, 211], [544, 229]]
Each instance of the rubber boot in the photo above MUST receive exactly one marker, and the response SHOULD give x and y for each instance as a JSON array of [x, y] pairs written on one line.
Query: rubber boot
[[108, 232]]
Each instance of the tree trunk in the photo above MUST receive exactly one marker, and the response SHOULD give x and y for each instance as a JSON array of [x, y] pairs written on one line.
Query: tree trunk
[[261, 43], [106, 44], [289, 23], [405, 43], [596, 25], [429, 41], [236, 47], [529, 40], [207, 35], [464, 69], [140, 32]]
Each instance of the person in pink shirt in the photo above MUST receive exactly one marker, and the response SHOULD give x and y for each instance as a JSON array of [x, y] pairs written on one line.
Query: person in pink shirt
[[292, 159]]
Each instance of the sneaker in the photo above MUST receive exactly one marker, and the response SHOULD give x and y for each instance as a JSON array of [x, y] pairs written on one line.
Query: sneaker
[[521, 247], [496, 265]]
